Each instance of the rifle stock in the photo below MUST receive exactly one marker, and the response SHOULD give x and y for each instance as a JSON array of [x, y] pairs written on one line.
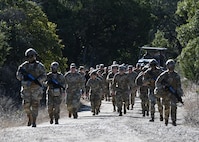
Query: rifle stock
[[30, 77], [56, 84], [174, 92]]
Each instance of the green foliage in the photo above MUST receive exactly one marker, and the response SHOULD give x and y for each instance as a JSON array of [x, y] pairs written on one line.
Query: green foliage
[[29, 27], [189, 60], [160, 40], [188, 37]]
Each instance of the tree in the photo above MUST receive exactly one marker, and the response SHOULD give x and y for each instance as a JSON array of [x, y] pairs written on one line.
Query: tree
[[29, 27], [188, 10], [96, 31]]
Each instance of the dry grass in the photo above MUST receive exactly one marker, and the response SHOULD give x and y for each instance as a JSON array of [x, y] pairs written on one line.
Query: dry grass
[[12, 117], [191, 106]]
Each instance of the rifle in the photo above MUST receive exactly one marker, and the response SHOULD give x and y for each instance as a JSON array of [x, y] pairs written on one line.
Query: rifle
[[30, 77], [56, 84], [174, 92]]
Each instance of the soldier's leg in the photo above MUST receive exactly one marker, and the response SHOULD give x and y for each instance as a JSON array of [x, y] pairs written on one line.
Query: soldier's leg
[[98, 104], [69, 104], [35, 109], [166, 103], [92, 104], [173, 112], [133, 94], [50, 108], [28, 111], [152, 105], [119, 102], [160, 108], [114, 103], [57, 103], [142, 104]]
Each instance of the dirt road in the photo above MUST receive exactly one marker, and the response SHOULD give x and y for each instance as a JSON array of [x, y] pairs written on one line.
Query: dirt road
[[106, 127]]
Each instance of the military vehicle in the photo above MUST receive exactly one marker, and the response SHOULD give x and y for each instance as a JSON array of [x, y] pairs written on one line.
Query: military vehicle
[[146, 54]]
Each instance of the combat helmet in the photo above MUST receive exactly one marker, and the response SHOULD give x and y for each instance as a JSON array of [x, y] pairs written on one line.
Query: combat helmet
[[54, 66], [30, 52], [170, 64]]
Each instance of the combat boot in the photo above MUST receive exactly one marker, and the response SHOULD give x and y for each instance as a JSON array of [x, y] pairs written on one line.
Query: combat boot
[[147, 113], [120, 113], [166, 122], [29, 120], [114, 108], [51, 120], [93, 112], [143, 112], [124, 110], [174, 123], [34, 122], [56, 121], [75, 115], [152, 119], [161, 118], [69, 114]]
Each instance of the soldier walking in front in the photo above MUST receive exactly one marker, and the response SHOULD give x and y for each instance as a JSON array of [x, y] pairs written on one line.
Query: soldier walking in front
[[75, 83], [121, 89], [168, 87], [150, 76], [94, 88], [55, 89], [32, 74]]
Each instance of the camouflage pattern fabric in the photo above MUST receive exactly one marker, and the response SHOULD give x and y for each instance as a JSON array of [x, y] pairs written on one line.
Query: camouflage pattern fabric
[[30, 91], [150, 76], [170, 101], [143, 90], [94, 86], [132, 76], [75, 83], [121, 87], [54, 94]]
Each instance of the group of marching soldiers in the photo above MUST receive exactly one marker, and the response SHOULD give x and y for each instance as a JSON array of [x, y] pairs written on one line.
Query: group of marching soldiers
[[119, 83]]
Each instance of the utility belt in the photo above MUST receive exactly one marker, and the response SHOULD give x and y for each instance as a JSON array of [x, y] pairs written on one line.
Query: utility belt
[[55, 91]]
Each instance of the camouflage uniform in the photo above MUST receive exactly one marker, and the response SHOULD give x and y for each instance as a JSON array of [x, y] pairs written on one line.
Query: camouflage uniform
[[31, 91], [94, 87], [75, 83], [110, 81], [132, 76], [169, 78], [55, 89], [106, 85], [143, 90], [121, 89], [150, 75]]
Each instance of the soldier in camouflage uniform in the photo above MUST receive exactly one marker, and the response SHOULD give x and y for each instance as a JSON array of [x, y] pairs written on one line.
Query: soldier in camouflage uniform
[[32, 74], [75, 83], [169, 78], [114, 70], [150, 75], [106, 84], [132, 76], [143, 90], [55, 89], [94, 88], [121, 89]]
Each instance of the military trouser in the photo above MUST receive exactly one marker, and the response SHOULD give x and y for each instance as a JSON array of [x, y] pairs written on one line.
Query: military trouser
[[95, 103], [170, 106], [132, 98], [54, 106], [73, 101], [31, 97], [122, 97], [113, 100], [144, 102], [153, 99]]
